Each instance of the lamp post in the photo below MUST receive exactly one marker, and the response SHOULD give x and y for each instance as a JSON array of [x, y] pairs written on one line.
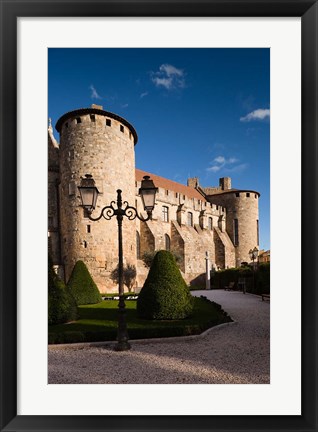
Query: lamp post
[[253, 253], [207, 271], [89, 193]]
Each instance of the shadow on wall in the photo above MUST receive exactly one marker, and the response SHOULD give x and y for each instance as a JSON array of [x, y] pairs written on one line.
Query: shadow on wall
[[198, 283]]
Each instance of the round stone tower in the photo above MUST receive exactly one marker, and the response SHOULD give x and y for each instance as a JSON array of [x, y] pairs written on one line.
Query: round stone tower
[[242, 223], [100, 143], [241, 217]]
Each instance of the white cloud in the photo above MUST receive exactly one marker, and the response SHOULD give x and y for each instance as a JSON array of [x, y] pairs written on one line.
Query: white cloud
[[168, 77], [170, 70], [164, 82], [94, 94], [143, 95], [220, 159], [228, 165], [259, 114], [214, 168]]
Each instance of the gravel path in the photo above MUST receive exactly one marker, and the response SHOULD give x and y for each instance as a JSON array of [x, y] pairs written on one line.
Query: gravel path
[[236, 353]]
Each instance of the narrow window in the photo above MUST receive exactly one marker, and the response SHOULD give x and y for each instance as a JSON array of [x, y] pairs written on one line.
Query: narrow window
[[247, 194], [88, 229], [210, 223], [257, 228], [121, 128], [236, 238], [176, 194], [78, 120], [167, 242], [167, 192], [184, 197], [92, 116], [137, 245], [108, 122], [256, 196], [85, 244], [165, 214], [237, 194], [129, 135], [71, 188], [190, 219]]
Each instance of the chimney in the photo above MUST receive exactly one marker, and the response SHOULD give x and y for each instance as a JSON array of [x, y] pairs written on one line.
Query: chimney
[[94, 106]]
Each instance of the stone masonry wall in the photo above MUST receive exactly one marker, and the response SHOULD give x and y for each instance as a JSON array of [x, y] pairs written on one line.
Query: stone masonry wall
[[243, 206]]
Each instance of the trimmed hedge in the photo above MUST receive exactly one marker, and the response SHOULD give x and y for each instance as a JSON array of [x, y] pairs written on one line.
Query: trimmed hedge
[[262, 281], [82, 286], [61, 304], [222, 278], [165, 295]]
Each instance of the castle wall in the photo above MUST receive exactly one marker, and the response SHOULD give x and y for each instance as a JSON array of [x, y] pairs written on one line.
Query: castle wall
[[53, 199], [93, 141], [89, 145], [190, 243]]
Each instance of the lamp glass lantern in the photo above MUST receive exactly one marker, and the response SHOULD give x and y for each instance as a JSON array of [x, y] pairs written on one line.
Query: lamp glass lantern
[[88, 192], [255, 252], [148, 192]]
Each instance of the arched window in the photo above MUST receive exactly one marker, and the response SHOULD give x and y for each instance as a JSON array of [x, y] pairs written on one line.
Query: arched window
[[210, 222], [236, 232], [190, 219], [137, 245], [167, 242]]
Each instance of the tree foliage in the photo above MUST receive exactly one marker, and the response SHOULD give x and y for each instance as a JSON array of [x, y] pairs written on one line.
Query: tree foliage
[[129, 273]]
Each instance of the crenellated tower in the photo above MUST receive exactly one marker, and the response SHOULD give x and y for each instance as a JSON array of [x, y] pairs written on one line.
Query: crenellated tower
[[97, 142]]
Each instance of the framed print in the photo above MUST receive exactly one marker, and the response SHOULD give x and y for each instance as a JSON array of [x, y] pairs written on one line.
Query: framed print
[[30, 32]]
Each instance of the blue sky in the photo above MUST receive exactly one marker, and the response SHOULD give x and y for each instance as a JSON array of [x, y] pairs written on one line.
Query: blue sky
[[197, 112]]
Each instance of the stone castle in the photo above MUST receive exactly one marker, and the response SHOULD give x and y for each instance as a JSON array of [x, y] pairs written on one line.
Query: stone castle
[[190, 221]]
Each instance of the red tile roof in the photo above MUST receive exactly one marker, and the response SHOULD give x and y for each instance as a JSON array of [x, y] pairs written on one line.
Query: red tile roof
[[164, 183]]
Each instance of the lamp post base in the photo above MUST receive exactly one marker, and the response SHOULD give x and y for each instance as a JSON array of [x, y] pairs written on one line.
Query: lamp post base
[[122, 346]]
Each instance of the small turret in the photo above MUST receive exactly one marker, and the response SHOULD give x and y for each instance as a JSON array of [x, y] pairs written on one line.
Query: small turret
[[225, 183]]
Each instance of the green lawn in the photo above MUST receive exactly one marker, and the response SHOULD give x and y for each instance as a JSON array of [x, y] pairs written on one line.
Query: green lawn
[[99, 323]]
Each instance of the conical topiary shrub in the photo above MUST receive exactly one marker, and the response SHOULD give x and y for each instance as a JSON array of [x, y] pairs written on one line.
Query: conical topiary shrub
[[61, 304], [165, 295], [82, 286]]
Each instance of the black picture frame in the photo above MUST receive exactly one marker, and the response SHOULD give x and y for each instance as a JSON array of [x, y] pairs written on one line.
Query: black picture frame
[[10, 11]]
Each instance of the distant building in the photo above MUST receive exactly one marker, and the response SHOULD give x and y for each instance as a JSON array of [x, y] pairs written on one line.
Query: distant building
[[264, 256], [188, 220]]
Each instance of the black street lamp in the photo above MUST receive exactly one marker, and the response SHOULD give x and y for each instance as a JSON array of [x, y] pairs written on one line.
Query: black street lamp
[[89, 193], [253, 253]]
